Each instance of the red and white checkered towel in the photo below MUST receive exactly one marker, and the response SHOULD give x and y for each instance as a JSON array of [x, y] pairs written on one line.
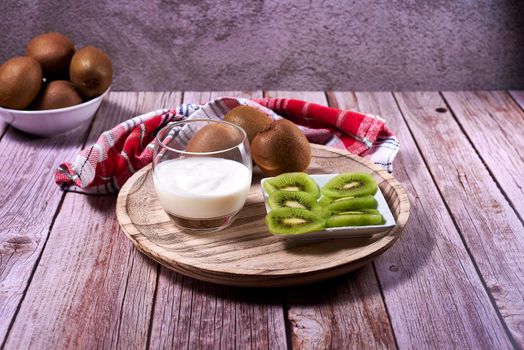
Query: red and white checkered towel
[[120, 152]]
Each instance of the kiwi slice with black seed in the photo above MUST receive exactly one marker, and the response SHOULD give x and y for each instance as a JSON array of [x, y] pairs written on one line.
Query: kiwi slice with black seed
[[350, 203], [350, 185], [291, 221], [292, 182], [301, 200], [362, 217]]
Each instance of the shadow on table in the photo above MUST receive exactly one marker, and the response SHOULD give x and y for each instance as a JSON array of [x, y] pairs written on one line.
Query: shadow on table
[[399, 264], [75, 138], [352, 287], [349, 288], [396, 266], [407, 257], [70, 140], [104, 204], [207, 292]]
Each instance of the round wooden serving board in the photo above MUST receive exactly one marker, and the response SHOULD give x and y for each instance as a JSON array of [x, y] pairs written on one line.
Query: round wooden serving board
[[246, 254]]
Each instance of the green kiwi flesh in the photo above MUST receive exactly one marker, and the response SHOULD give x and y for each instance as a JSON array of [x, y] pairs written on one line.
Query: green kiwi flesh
[[292, 182], [362, 217], [290, 221], [350, 185], [301, 200], [350, 203]]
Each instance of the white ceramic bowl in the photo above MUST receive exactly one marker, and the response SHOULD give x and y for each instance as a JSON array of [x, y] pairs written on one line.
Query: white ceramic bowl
[[53, 121]]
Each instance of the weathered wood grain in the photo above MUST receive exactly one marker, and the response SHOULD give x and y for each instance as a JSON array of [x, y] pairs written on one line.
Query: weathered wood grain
[[488, 224], [429, 285], [244, 254], [432, 291], [194, 314], [3, 127], [28, 201], [92, 289], [202, 97], [198, 315], [518, 96], [345, 313], [495, 125]]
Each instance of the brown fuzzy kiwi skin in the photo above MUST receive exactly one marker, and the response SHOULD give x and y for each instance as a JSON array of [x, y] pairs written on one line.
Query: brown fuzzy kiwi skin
[[214, 137], [53, 51], [20, 81], [281, 148], [57, 94], [250, 119], [91, 71]]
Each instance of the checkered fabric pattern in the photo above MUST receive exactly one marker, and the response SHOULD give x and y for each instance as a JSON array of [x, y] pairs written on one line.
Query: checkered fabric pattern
[[120, 152]]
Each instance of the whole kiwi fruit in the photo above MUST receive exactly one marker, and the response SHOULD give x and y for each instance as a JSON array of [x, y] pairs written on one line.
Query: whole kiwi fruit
[[250, 119], [20, 81], [91, 71], [57, 94], [53, 51], [214, 137], [281, 148]]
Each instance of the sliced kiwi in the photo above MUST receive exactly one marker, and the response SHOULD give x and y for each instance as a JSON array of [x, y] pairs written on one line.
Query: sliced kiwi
[[290, 221], [301, 200], [350, 203], [350, 185], [362, 217], [325, 201], [292, 182]]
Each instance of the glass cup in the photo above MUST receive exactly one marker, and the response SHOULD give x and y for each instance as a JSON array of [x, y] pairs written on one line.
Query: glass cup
[[202, 172]]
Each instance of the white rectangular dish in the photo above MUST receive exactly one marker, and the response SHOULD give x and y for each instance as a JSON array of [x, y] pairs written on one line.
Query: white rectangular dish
[[347, 231]]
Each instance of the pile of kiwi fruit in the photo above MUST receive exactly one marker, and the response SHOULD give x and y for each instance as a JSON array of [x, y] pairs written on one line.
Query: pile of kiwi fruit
[[298, 205], [277, 146], [53, 74]]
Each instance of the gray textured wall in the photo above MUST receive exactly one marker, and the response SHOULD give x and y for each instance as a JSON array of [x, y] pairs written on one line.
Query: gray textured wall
[[199, 45]]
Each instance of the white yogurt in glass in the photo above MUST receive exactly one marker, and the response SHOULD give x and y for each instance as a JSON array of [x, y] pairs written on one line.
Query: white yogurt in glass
[[202, 187]]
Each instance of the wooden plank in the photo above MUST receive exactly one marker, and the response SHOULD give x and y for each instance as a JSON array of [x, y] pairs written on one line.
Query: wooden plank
[[3, 128], [92, 289], [194, 314], [433, 293], [345, 313], [518, 96], [495, 125], [202, 97], [28, 202], [488, 224]]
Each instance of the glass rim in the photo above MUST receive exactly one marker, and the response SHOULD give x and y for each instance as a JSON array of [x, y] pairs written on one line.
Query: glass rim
[[186, 121]]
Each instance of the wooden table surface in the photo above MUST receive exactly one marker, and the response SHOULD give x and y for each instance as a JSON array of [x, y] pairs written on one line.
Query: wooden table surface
[[69, 278]]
